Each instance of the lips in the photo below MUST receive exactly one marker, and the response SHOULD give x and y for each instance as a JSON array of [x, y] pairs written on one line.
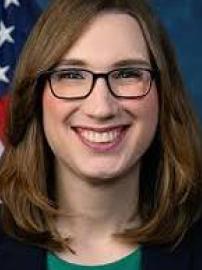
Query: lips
[[101, 139]]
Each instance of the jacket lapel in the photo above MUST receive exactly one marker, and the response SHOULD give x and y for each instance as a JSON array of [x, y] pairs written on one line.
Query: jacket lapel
[[161, 257], [16, 255]]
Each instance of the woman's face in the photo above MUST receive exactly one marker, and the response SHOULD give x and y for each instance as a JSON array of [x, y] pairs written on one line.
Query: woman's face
[[101, 136]]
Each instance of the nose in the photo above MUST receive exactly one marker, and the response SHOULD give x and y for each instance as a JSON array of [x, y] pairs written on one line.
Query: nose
[[100, 104]]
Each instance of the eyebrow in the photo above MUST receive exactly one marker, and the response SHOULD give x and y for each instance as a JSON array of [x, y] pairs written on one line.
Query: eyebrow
[[118, 64], [131, 62]]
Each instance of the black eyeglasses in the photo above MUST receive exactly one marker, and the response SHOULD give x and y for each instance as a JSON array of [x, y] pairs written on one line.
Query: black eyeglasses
[[76, 83]]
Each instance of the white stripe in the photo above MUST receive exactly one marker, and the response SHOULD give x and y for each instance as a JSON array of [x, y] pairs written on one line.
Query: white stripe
[[1, 148]]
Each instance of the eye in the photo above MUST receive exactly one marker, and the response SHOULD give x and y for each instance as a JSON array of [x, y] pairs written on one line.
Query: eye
[[68, 75], [128, 73]]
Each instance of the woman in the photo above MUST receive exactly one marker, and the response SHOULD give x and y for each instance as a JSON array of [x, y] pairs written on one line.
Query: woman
[[102, 166]]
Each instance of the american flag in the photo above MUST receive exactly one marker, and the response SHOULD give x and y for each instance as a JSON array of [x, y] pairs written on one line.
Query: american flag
[[16, 20]]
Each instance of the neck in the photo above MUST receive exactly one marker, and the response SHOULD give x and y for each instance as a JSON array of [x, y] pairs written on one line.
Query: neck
[[96, 207]]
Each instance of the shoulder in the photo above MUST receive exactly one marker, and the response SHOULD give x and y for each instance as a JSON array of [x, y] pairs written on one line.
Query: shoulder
[[18, 255], [187, 255], [195, 242]]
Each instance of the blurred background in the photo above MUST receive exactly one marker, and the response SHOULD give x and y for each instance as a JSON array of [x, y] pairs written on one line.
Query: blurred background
[[182, 19]]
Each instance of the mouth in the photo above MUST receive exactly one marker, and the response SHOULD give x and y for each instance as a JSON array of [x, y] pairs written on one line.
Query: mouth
[[101, 139]]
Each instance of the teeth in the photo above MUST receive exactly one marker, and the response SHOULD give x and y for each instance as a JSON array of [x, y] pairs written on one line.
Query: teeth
[[100, 137]]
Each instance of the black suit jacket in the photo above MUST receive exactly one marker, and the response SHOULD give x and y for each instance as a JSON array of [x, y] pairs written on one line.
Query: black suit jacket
[[15, 255]]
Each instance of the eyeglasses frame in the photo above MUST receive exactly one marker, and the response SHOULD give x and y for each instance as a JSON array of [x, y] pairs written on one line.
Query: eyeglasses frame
[[46, 75]]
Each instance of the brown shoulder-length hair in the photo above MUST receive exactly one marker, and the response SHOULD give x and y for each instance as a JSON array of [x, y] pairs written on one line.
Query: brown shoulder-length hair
[[171, 173]]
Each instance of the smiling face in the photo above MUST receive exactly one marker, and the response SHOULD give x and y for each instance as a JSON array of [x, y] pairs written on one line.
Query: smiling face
[[102, 137]]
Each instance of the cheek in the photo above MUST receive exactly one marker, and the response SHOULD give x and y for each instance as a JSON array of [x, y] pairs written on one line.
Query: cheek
[[146, 115], [52, 114], [57, 108], [149, 112], [54, 109], [146, 109], [52, 117], [56, 115], [150, 108], [49, 102], [49, 113]]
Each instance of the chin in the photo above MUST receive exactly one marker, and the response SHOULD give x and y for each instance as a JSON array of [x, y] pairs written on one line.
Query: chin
[[103, 176], [101, 181]]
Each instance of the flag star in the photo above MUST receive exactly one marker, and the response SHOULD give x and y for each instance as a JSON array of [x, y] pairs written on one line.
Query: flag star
[[7, 3], [5, 33], [3, 77]]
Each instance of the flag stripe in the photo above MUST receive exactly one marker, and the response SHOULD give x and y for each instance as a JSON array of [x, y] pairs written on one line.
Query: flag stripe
[[16, 21]]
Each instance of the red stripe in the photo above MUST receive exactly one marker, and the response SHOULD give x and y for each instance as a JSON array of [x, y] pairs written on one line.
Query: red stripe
[[4, 101]]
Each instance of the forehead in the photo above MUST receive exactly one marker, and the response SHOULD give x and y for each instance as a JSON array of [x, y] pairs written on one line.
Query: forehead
[[110, 37]]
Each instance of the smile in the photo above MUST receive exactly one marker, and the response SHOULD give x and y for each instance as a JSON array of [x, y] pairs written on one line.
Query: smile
[[101, 140], [100, 137]]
